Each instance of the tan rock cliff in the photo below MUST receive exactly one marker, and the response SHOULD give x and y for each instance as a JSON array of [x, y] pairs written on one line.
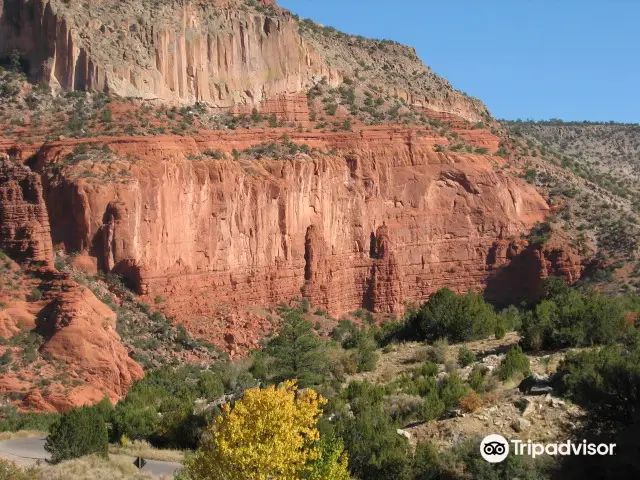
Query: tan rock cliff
[[181, 51]]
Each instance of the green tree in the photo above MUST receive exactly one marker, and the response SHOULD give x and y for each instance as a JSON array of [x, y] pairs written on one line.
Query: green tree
[[465, 356], [375, 449], [135, 422], [572, 318], [455, 317], [81, 431], [511, 319], [427, 464], [106, 115], [515, 361], [366, 354], [477, 376], [607, 381], [332, 464], [255, 115], [210, 386], [433, 407], [15, 63], [465, 457], [297, 352], [451, 390]]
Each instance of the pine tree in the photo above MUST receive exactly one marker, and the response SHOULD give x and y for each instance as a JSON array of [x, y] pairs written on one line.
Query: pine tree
[[81, 431]]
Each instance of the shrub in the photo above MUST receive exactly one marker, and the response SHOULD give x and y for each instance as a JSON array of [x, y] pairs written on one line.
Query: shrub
[[210, 386], [438, 352], [215, 154], [12, 421], [79, 432], [35, 295], [388, 332], [333, 461], [344, 333], [159, 408], [429, 369], [106, 115], [6, 357], [331, 108], [606, 381], [182, 336], [511, 318], [11, 471], [470, 402], [403, 407], [455, 317], [514, 362], [433, 407], [362, 395], [465, 356], [366, 355], [256, 117], [540, 234], [375, 449], [571, 318], [477, 377], [464, 458], [427, 464], [451, 390]]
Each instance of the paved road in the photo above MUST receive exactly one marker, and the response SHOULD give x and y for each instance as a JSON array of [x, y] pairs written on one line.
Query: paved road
[[28, 451]]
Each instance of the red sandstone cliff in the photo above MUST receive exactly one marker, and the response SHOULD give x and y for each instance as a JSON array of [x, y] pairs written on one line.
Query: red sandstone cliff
[[519, 269], [78, 329], [382, 216], [200, 232], [24, 223]]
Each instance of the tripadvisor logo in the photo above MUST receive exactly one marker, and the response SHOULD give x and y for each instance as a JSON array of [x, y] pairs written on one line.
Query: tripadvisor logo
[[495, 448]]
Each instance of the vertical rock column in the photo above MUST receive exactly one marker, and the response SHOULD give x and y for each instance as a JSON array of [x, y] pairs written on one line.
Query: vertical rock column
[[315, 271], [24, 222], [386, 277]]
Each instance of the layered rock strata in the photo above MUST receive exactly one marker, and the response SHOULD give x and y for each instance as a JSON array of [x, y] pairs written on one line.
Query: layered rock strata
[[386, 220], [24, 223], [78, 329]]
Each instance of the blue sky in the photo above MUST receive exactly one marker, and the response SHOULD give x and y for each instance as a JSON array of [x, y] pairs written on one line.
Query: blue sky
[[540, 59]]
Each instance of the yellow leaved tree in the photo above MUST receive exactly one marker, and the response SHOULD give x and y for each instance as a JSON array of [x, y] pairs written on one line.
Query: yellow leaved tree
[[270, 434]]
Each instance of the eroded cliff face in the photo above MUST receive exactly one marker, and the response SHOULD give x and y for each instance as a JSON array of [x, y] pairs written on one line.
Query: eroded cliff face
[[78, 330], [84, 360], [384, 221], [180, 51], [81, 331], [24, 223], [368, 217], [222, 52], [519, 269]]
